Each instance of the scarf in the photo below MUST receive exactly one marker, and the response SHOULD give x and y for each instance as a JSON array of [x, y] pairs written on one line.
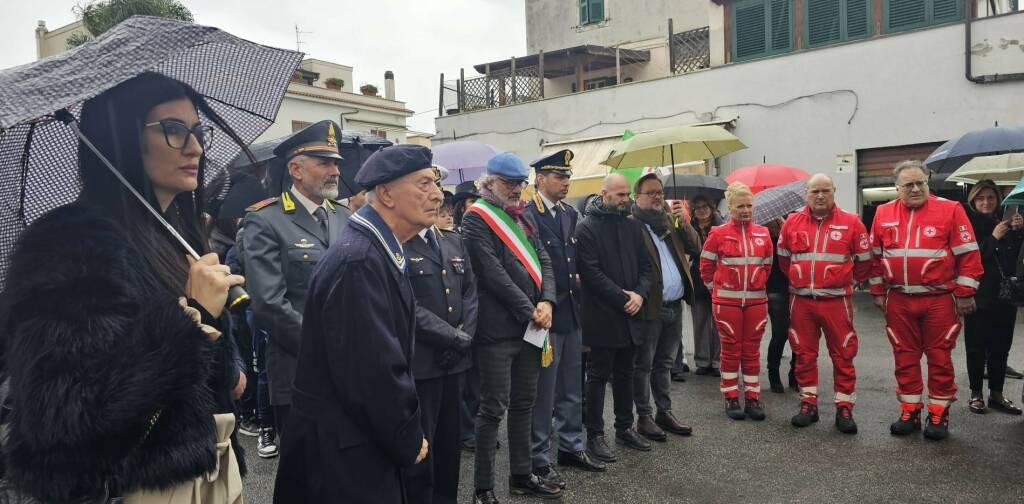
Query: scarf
[[656, 218], [516, 211]]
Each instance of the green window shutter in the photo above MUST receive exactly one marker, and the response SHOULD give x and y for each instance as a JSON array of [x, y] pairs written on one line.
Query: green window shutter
[[905, 14], [596, 11], [584, 12], [751, 29], [822, 22], [946, 10], [781, 25], [858, 18]]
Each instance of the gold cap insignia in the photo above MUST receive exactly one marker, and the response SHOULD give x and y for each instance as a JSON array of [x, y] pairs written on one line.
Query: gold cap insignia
[[331, 140], [568, 157]]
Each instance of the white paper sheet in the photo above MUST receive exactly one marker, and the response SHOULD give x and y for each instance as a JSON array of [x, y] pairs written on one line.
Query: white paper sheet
[[535, 335]]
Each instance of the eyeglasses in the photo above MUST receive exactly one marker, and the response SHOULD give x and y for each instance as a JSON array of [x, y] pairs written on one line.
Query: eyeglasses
[[512, 184], [920, 184], [653, 194], [177, 134]]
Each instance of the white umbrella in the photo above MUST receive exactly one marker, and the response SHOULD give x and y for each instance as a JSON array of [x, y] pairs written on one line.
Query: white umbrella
[[1003, 169]]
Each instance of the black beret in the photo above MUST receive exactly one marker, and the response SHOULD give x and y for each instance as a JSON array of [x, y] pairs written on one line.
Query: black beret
[[393, 162]]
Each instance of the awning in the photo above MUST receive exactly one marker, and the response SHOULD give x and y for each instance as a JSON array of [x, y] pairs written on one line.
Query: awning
[[563, 62]]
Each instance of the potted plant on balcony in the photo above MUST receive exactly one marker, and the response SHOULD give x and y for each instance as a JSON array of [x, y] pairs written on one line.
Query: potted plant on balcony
[[335, 83], [368, 89]]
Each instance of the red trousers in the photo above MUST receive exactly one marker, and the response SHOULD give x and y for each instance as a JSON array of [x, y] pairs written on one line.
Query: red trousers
[[740, 330], [808, 318], [923, 324]]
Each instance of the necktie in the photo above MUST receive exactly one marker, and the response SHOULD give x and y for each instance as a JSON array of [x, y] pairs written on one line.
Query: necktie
[[321, 217], [432, 241]]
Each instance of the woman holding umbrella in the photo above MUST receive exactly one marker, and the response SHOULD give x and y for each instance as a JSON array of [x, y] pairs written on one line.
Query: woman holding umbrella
[[735, 264], [120, 381], [988, 332]]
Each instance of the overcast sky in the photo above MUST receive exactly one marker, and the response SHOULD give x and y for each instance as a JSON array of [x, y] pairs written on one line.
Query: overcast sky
[[416, 39]]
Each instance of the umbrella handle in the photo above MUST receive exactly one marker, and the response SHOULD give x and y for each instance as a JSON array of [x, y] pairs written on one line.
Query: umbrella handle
[[238, 299]]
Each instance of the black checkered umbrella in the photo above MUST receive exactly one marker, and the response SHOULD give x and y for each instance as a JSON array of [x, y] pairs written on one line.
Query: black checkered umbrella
[[779, 201], [242, 81]]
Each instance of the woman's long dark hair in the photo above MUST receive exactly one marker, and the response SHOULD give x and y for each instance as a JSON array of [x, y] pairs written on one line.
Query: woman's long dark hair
[[113, 121]]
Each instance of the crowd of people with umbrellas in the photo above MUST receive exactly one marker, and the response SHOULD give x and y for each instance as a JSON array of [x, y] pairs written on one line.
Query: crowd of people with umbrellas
[[131, 361]]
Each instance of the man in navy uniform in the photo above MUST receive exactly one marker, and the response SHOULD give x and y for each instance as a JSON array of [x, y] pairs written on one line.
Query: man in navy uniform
[[560, 385], [356, 421], [280, 242], [445, 289]]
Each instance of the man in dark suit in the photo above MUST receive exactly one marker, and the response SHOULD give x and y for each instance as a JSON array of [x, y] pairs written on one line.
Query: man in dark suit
[[517, 290], [446, 308], [281, 241], [356, 420], [560, 385]]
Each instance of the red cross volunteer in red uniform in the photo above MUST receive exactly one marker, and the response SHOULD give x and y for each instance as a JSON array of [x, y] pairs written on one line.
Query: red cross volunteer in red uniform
[[925, 269], [824, 251], [735, 264]]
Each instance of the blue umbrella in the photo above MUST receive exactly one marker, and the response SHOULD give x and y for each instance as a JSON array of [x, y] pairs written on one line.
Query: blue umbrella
[[990, 141]]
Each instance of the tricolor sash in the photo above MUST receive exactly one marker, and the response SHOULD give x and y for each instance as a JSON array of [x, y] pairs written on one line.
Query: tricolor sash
[[509, 232]]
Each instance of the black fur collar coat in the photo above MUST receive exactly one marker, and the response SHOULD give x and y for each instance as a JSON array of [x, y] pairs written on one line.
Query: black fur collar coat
[[95, 346]]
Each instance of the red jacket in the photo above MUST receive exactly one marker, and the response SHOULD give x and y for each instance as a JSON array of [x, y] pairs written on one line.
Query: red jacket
[[824, 258], [929, 249], [735, 263]]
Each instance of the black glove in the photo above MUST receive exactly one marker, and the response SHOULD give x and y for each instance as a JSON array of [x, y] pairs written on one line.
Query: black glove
[[448, 358], [461, 342]]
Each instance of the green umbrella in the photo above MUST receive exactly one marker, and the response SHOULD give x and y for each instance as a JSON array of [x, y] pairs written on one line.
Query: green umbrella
[[1016, 196], [676, 144], [1003, 169]]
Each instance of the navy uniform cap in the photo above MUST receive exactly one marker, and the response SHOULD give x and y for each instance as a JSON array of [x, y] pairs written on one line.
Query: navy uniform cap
[[558, 162], [507, 166], [319, 139], [394, 162]]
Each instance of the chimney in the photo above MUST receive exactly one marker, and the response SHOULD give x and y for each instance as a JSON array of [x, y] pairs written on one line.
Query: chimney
[[389, 85], [41, 32]]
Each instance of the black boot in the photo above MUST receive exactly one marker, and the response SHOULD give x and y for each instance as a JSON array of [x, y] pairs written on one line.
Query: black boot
[[937, 424], [909, 421], [844, 420], [733, 409], [753, 409], [775, 380], [808, 414]]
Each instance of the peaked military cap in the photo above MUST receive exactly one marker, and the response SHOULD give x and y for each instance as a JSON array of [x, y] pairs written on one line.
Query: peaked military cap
[[558, 162], [393, 162], [319, 139]]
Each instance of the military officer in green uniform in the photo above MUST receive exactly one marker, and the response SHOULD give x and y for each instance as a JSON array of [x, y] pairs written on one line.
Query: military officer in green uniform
[[282, 239]]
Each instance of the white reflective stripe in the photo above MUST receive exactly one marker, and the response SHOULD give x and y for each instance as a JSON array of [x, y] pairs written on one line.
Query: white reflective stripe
[[739, 261], [939, 402], [912, 399], [809, 390], [965, 248], [730, 388], [892, 335], [755, 387], [903, 252], [740, 294], [761, 325], [819, 292], [875, 280], [750, 379], [792, 332], [863, 256], [729, 376], [841, 397], [952, 331], [876, 250], [918, 289], [783, 252], [968, 281], [847, 338], [820, 256], [708, 255], [727, 326]]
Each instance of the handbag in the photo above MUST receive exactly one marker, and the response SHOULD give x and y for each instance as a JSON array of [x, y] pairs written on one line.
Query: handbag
[[1011, 289]]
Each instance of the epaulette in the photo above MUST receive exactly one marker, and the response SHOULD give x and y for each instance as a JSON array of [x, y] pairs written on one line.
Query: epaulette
[[259, 205], [537, 202]]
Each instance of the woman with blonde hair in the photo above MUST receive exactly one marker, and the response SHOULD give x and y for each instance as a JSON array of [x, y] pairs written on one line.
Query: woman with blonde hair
[[734, 265]]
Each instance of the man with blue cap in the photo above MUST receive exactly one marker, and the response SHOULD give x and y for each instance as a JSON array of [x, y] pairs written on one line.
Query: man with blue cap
[[516, 291], [356, 416]]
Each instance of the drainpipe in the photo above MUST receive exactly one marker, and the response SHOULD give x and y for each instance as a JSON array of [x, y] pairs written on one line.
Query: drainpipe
[[981, 79]]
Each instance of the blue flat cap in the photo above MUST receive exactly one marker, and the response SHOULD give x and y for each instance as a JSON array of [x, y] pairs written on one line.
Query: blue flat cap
[[393, 162], [508, 166]]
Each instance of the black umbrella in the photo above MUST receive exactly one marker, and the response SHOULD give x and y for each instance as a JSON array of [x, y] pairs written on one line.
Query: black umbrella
[[687, 185], [987, 142], [39, 104]]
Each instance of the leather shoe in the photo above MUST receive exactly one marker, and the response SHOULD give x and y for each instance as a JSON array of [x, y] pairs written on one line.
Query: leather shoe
[[647, 428], [581, 460], [597, 447], [667, 421], [702, 370], [678, 376], [549, 475], [716, 372], [1005, 405], [530, 484], [484, 497], [631, 439]]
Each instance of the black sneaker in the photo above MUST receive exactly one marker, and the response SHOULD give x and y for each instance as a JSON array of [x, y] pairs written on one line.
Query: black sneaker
[[937, 425], [808, 414], [597, 447], [484, 497], [909, 421], [844, 420], [249, 426], [266, 444], [549, 475], [732, 408], [754, 410], [630, 438], [530, 484]]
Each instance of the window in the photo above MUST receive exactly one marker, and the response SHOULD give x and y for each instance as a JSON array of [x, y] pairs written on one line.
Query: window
[[298, 125], [761, 28], [379, 132], [591, 11], [830, 21], [900, 15]]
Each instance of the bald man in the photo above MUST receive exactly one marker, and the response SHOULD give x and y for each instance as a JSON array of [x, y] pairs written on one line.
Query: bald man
[[616, 273], [824, 251]]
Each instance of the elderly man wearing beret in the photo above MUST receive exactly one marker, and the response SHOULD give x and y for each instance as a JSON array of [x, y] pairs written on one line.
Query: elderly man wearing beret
[[355, 420], [516, 289]]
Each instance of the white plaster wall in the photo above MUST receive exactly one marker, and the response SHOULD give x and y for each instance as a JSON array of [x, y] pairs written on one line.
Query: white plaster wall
[[295, 109], [554, 24], [801, 109]]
